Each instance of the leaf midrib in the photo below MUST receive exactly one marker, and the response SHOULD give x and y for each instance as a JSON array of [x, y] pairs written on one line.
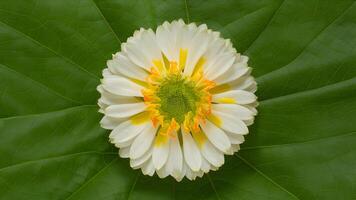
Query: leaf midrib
[[106, 21], [68, 60], [308, 44], [265, 27], [83, 185], [265, 176], [54, 157], [298, 143], [41, 85], [186, 10]]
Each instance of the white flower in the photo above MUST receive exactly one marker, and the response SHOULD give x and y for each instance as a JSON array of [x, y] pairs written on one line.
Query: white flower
[[177, 100]]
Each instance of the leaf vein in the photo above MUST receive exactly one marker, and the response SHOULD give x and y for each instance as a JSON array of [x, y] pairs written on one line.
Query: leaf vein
[[41, 84], [106, 21], [38, 114], [133, 185], [309, 43], [307, 91], [91, 179], [186, 10], [213, 186], [301, 142], [54, 157], [50, 49], [265, 176], [265, 27]]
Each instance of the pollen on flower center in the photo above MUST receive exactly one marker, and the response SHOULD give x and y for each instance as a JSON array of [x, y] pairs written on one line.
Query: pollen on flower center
[[175, 100], [178, 96]]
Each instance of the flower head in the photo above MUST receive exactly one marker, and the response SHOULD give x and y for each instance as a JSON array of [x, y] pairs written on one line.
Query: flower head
[[177, 100]]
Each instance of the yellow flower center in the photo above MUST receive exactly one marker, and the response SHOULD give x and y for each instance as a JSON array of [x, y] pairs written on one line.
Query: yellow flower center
[[177, 97], [175, 100]]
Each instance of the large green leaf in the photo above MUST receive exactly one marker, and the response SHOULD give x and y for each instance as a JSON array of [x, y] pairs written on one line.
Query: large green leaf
[[302, 145]]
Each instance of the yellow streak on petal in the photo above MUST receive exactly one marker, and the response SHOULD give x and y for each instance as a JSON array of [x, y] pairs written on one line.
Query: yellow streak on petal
[[156, 120], [220, 88], [199, 137], [154, 77], [148, 94], [165, 61], [195, 124], [140, 118], [161, 137], [182, 58], [172, 128], [160, 65], [139, 82], [226, 100], [187, 121], [173, 67], [199, 66], [215, 120]]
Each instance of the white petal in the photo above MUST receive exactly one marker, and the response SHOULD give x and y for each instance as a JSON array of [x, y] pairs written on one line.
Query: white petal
[[137, 163], [197, 48], [121, 64], [107, 73], [169, 38], [252, 107], [247, 83], [238, 69], [180, 177], [107, 100], [252, 87], [162, 173], [123, 144], [142, 143], [216, 47], [216, 136], [181, 35], [160, 153], [205, 165], [214, 168], [199, 173], [249, 122], [239, 96], [122, 86], [221, 65], [124, 152], [148, 168], [191, 152], [231, 123], [189, 173], [230, 152], [110, 98], [143, 49], [175, 159], [110, 123], [124, 110], [235, 147], [211, 154], [233, 110], [166, 39], [126, 131], [235, 138]]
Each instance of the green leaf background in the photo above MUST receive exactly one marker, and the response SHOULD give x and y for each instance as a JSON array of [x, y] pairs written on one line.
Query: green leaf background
[[302, 145]]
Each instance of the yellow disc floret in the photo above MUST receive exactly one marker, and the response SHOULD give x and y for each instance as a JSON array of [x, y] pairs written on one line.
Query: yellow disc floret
[[175, 100]]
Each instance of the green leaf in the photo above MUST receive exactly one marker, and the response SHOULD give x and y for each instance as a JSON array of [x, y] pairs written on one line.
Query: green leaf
[[302, 145]]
